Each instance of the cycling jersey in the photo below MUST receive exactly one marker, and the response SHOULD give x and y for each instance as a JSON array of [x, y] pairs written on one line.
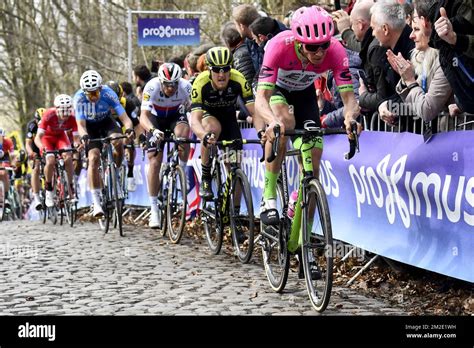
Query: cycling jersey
[[206, 98], [99, 110], [130, 109], [155, 100], [52, 125], [7, 147], [282, 65], [31, 129]]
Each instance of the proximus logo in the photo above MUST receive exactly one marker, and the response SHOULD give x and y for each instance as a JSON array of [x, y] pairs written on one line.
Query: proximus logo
[[168, 31]]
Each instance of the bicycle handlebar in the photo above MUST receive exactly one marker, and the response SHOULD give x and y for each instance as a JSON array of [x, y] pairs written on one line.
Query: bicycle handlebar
[[316, 131]]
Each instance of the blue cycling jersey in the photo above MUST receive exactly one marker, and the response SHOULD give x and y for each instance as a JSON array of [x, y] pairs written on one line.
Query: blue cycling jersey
[[98, 111]]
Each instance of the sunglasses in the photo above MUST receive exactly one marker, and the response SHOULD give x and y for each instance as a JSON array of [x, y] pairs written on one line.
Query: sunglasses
[[315, 48], [94, 94], [170, 84], [219, 69]]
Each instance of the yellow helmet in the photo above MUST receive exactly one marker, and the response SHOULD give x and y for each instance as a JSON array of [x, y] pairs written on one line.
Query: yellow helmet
[[39, 113], [218, 56]]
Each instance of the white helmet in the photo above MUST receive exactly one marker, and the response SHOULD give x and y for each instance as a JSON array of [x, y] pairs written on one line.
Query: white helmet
[[91, 80], [63, 101], [169, 72]]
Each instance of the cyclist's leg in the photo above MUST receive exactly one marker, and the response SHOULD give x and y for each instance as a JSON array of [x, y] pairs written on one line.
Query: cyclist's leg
[[155, 158], [95, 130], [181, 129], [49, 144], [281, 108], [113, 129], [64, 143], [212, 125], [4, 177]]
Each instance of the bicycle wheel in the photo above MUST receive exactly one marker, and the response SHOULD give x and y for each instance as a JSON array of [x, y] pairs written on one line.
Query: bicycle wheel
[[44, 210], [67, 196], [104, 221], [211, 216], [117, 214], [162, 196], [176, 207], [317, 247], [241, 216], [274, 243], [62, 200], [2, 201]]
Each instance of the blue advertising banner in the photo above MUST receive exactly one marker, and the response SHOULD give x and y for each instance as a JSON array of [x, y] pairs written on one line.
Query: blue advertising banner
[[399, 197], [168, 32]]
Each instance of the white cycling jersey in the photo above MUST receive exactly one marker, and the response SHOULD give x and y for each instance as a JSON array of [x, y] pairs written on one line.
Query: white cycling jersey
[[155, 100]]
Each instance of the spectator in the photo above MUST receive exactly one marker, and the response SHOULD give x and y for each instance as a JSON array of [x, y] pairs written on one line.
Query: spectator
[[192, 60], [423, 85], [243, 16], [141, 75], [332, 114], [263, 29], [453, 24], [389, 27], [242, 59], [128, 93]]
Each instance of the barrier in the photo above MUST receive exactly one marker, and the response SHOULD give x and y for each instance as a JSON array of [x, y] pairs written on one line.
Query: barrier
[[399, 197]]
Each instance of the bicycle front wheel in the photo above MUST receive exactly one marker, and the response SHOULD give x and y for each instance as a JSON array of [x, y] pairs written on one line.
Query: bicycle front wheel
[[317, 246], [176, 209], [212, 217], [241, 216], [2, 200], [118, 203], [274, 243]]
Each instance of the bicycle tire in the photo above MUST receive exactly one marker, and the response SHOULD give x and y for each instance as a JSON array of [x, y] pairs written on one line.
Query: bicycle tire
[[211, 216], [176, 211], [277, 251], [162, 209], [117, 214], [104, 222], [242, 225], [62, 201], [67, 200], [2, 201], [319, 246], [44, 210]]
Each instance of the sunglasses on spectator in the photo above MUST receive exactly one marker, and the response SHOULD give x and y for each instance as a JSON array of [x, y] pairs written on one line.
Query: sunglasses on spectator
[[315, 48], [219, 69], [94, 94]]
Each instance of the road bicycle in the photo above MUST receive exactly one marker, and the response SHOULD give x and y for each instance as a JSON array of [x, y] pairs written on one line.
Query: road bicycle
[[112, 197], [65, 201], [231, 205], [14, 211], [172, 194], [312, 216]]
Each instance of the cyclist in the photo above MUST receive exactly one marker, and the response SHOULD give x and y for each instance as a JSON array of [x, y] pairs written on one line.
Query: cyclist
[[92, 104], [166, 99], [52, 135], [33, 153], [132, 112], [6, 158], [213, 111], [293, 60]]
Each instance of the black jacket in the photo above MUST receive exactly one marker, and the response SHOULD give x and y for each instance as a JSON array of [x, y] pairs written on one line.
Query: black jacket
[[382, 78], [457, 61], [243, 62]]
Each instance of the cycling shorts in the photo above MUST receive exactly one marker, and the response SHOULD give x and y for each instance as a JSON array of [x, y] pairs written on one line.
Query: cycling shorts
[[167, 126], [101, 129], [229, 128], [55, 142]]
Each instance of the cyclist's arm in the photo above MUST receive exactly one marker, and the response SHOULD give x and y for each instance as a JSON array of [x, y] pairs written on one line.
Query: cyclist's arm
[[351, 108], [196, 123], [145, 120], [29, 146], [126, 121], [263, 112], [81, 127], [38, 138]]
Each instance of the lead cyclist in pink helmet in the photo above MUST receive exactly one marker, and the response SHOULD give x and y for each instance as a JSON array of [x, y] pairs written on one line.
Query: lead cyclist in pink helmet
[[286, 94]]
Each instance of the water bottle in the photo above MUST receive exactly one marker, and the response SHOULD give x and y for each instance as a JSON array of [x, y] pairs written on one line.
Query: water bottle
[[291, 204]]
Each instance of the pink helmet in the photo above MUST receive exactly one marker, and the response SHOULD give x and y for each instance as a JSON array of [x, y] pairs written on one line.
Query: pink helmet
[[312, 25]]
